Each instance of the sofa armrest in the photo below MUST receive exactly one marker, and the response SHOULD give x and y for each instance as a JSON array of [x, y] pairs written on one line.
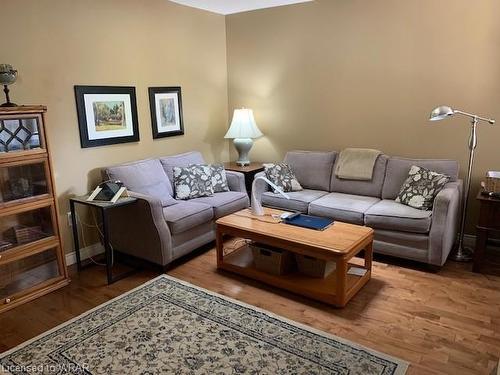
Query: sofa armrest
[[445, 218], [236, 181], [140, 230]]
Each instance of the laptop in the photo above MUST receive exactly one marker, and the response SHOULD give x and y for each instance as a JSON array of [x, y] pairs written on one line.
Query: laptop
[[308, 221]]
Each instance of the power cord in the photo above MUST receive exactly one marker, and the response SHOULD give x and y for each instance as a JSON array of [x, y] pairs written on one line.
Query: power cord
[[235, 245], [276, 217], [102, 236], [96, 226]]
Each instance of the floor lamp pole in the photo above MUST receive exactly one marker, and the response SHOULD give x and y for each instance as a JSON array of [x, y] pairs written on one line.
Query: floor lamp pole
[[464, 254]]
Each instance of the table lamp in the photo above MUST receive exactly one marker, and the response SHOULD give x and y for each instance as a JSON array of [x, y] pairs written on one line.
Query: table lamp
[[243, 129], [463, 254], [8, 76]]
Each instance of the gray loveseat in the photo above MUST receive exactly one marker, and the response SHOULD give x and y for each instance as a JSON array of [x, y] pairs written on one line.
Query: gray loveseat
[[159, 228], [402, 231]]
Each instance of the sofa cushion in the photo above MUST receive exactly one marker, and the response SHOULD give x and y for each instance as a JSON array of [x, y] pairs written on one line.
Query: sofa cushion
[[146, 177], [282, 176], [183, 216], [299, 200], [193, 182], [225, 203], [180, 160], [343, 207], [421, 187], [390, 215], [219, 178], [398, 168], [313, 169], [372, 188]]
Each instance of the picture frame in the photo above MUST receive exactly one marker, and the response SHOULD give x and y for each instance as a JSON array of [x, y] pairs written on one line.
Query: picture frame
[[166, 111], [107, 115]]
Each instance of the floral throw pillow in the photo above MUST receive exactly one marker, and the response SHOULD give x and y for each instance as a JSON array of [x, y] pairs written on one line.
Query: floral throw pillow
[[421, 187], [218, 173], [219, 179], [281, 175], [192, 182]]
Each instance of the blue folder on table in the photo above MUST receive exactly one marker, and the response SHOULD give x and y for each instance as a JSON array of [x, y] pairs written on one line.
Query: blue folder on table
[[308, 221]]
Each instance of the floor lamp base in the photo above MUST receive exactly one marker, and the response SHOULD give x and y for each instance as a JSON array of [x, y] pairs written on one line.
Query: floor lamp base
[[462, 254]]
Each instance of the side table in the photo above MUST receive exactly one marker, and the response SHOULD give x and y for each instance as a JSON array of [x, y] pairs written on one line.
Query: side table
[[248, 170], [489, 222], [103, 207]]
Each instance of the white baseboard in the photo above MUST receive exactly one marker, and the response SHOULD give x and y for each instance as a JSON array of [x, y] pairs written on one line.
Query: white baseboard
[[85, 253], [470, 241], [97, 248]]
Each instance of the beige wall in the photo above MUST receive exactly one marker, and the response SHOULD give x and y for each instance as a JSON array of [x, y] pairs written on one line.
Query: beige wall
[[56, 44], [323, 75], [332, 74]]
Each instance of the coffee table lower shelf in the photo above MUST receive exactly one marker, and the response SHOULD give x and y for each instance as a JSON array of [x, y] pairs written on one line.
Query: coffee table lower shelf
[[326, 289]]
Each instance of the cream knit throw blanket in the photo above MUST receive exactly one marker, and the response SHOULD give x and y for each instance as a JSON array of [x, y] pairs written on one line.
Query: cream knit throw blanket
[[356, 164]]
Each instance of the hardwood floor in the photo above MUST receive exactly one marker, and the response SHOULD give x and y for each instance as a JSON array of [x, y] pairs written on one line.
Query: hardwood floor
[[442, 323]]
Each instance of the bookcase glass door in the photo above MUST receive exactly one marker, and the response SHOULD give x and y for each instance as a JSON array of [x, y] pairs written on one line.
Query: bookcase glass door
[[23, 181], [19, 134], [28, 272], [25, 227]]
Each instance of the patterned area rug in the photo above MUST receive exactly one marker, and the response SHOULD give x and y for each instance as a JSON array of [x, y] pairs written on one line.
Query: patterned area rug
[[171, 327]]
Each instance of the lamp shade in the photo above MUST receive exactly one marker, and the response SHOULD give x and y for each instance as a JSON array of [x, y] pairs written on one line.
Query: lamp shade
[[8, 74], [441, 113], [243, 125]]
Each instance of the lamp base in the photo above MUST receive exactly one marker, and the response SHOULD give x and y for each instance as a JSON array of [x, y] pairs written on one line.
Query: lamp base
[[243, 146], [9, 104], [462, 254]]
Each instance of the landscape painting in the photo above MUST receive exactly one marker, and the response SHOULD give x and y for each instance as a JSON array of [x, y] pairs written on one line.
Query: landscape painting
[[106, 115], [166, 111], [109, 115]]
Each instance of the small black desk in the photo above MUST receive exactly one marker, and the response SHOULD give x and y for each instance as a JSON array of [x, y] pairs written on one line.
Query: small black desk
[[103, 207]]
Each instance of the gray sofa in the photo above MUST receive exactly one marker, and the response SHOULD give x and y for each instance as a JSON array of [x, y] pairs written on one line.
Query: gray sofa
[[402, 231], [159, 228]]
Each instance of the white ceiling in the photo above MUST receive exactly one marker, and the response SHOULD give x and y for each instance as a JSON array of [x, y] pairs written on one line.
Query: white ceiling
[[235, 6]]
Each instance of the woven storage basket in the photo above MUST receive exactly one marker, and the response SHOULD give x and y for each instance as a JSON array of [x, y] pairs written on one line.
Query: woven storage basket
[[26, 234], [272, 260], [314, 267], [492, 185]]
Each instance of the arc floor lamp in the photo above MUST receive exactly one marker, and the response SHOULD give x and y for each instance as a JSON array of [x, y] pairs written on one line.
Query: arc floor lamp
[[463, 254]]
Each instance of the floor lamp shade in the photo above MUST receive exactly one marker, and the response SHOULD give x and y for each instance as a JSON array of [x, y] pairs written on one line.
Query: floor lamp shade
[[243, 129], [463, 254], [441, 113]]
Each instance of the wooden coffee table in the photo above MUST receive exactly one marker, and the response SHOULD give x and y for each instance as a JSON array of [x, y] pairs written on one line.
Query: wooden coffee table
[[340, 243]]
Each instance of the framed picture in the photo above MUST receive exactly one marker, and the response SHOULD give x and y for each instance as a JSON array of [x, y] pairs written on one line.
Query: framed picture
[[166, 111], [106, 115]]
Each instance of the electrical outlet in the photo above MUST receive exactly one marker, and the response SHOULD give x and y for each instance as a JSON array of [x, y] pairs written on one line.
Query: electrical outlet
[[70, 222]]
